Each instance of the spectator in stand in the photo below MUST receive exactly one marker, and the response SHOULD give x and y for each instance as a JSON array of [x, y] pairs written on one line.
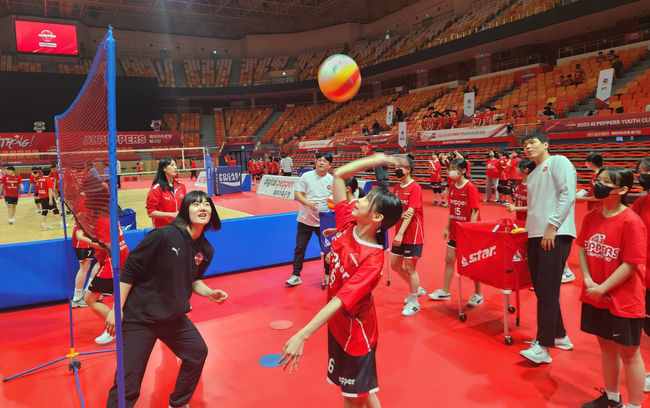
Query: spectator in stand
[[475, 90], [619, 110], [611, 55], [312, 191], [286, 164], [488, 115], [601, 57], [569, 80], [516, 112], [399, 116], [618, 66], [376, 128], [477, 117], [560, 81], [366, 149], [365, 130], [548, 111], [454, 119], [578, 75], [440, 121], [492, 177]]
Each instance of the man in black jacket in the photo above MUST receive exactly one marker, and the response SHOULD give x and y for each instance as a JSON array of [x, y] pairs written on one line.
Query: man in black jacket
[[156, 283]]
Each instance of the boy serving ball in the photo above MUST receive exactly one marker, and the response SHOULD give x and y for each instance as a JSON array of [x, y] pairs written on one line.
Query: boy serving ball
[[356, 261]]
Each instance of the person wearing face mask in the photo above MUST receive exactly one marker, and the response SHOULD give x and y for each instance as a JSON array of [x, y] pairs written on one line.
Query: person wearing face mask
[[409, 236], [463, 207], [642, 207], [166, 193], [613, 246]]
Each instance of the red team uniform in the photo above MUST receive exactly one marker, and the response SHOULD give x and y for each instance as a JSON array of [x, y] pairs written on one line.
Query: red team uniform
[[166, 201], [520, 196], [642, 207], [356, 269], [411, 196], [461, 203], [435, 172], [11, 186], [103, 281]]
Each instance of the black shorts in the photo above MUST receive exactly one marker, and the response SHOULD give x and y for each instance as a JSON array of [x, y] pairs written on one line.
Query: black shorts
[[286, 173], [11, 200], [451, 244], [646, 323], [600, 322], [101, 285], [84, 254], [436, 186], [45, 206], [408, 250], [356, 375]]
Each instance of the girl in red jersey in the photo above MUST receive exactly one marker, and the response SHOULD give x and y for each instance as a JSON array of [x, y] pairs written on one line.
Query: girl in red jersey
[[409, 236], [612, 249], [435, 177], [356, 259], [492, 177], [166, 193], [520, 191], [503, 177], [463, 207]]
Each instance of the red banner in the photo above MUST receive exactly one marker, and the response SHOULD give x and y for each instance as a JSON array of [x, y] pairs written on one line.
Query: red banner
[[32, 36], [598, 123], [46, 142], [382, 138]]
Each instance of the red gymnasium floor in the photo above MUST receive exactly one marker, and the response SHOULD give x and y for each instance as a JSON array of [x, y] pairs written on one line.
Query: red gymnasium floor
[[428, 360]]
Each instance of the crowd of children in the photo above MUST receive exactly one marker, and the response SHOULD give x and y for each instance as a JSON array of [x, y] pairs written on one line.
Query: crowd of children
[[261, 166]]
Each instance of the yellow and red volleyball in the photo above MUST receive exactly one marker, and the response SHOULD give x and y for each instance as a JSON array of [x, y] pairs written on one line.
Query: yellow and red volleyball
[[339, 78]]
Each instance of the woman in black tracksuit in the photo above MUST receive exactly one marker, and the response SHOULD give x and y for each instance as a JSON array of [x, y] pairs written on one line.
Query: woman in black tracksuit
[[156, 283]]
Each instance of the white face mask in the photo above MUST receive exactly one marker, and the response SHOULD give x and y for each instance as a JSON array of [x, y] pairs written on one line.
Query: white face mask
[[454, 174]]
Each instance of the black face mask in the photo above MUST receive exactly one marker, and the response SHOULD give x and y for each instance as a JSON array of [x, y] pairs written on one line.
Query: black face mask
[[644, 180], [399, 173], [602, 191]]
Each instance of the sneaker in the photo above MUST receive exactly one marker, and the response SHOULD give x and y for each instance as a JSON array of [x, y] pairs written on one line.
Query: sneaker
[[536, 353], [434, 203], [78, 303], [46, 228], [410, 309], [603, 401], [421, 292], [646, 388], [326, 280], [567, 275], [444, 204], [440, 294], [293, 280], [37, 212], [475, 300], [105, 338], [563, 343]]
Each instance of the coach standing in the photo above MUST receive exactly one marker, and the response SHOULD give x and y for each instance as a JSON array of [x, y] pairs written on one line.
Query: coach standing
[[312, 191], [551, 229]]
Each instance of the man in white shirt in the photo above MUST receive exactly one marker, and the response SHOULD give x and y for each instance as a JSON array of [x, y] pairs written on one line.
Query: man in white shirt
[[551, 229], [286, 164], [312, 191]]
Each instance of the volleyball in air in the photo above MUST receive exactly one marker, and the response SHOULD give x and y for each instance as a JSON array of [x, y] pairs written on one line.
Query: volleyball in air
[[339, 78]]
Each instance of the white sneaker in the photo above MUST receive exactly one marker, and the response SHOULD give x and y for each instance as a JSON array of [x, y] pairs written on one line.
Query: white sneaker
[[536, 353], [440, 294], [79, 303], [326, 280], [46, 228], [411, 308], [475, 300], [646, 387], [567, 275], [421, 292], [37, 212], [293, 280], [105, 338], [563, 343], [12, 220]]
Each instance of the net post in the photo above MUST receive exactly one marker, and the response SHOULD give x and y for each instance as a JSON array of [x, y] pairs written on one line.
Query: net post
[[114, 220], [183, 156], [208, 174]]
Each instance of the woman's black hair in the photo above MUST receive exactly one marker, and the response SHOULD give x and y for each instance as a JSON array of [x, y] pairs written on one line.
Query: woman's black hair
[[460, 164], [526, 164], [197, 196], [387, 204], [645, 162], [621, 177], [161, 176], [354, 186]]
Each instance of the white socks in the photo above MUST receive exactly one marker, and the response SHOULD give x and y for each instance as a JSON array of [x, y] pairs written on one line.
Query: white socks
[[413, 298], [614, 396], [77, 294]]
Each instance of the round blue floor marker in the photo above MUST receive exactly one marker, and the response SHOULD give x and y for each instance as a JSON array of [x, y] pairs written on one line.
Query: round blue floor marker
[[270, 360]]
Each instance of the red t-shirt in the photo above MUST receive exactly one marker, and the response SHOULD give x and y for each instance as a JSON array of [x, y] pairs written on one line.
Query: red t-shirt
[[165, 201], [609, 242], [366, 149], [75, 242], [411, 196], [642, 207], [487, 118], [461, 203], [11, 185], [492, 168], [435, 173], [477, 119], [503, 168], [355, 270], [512, 169], [43, 184], [192, 164], [578, 75], [521, 199], [275, 167], [54, 175], [103, 233]]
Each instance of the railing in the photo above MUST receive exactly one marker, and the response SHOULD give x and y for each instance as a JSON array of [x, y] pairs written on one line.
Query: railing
[[603, 44], [513, 63]]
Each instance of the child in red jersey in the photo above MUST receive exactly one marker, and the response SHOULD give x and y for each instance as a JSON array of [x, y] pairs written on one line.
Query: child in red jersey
[[513, 175], [520, 191], [463, 207], [33, 179], [477, 117], [435, 177], [409, 236], [612, 244], [45, 187], [503, 189], [85, 255], [356, 260], [12, 185]]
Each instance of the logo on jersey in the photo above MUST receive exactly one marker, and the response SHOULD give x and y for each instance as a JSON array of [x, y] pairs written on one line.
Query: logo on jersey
[[596, 247], [479, 255], [198, 258]]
